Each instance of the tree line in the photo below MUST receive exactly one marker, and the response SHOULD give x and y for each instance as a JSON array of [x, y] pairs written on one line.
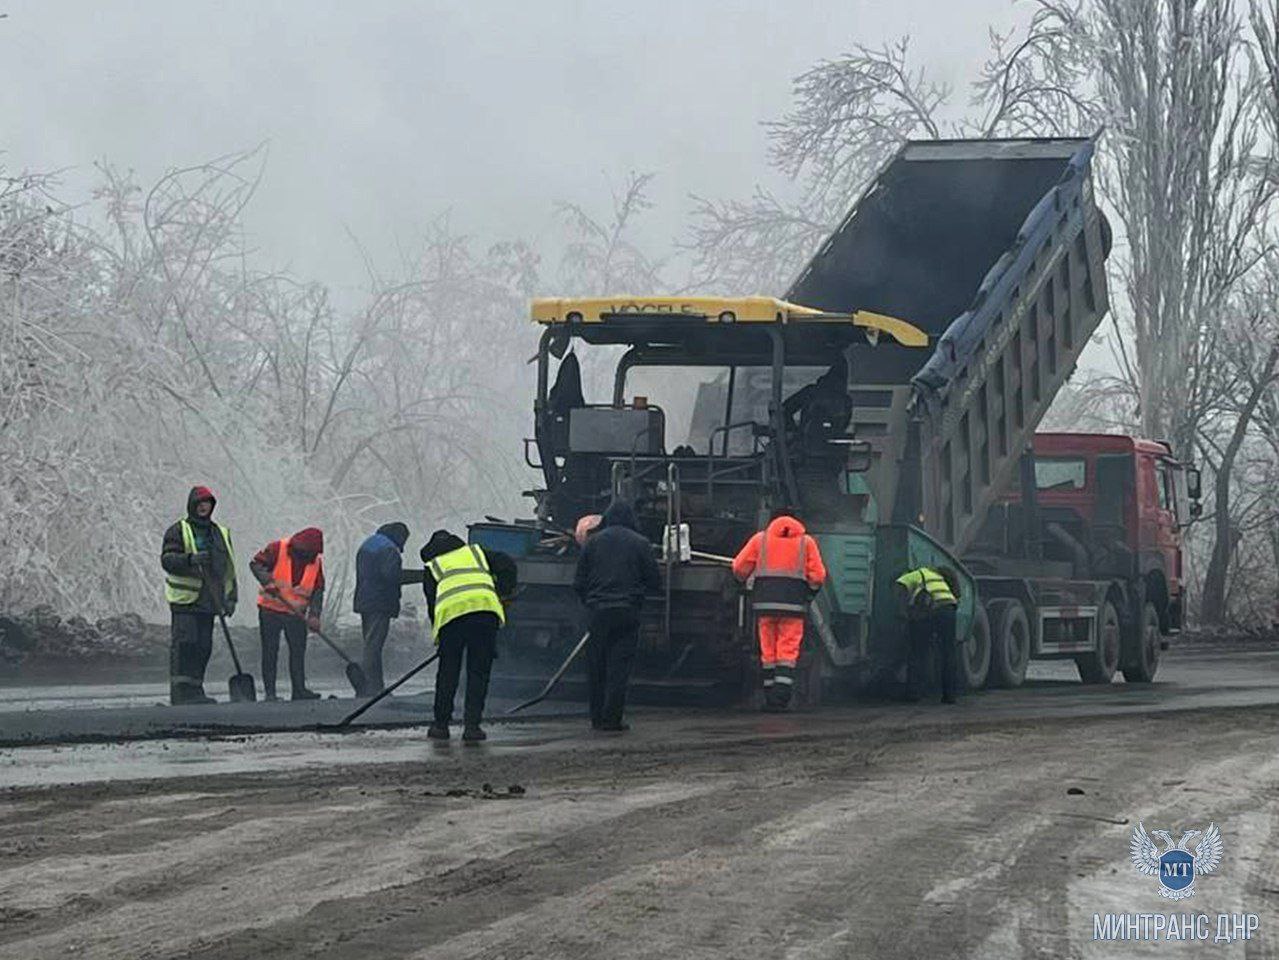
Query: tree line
[[146, 348]]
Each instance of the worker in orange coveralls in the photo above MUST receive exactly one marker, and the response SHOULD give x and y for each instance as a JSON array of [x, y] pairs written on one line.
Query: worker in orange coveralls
[[783, 569]]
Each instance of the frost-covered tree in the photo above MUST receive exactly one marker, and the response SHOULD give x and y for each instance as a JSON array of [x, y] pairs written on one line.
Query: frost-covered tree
[[1185, 91]]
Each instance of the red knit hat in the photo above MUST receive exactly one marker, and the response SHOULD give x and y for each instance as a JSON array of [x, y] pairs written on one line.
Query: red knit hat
[[199, 494], [309, 541]]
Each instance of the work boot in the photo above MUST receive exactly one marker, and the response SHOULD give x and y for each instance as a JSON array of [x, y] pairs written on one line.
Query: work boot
[[269, 694], [776, 698], [437, 732], [948, 698], [305, 694], [473, 734], [182, 694], [615, 727]]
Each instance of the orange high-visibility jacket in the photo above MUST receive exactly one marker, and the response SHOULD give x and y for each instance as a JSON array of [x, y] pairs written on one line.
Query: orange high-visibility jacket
[[781, 564], [298, 596]]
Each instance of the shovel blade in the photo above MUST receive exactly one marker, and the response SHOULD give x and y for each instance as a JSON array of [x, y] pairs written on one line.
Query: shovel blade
[[359, 681], [243, 689]]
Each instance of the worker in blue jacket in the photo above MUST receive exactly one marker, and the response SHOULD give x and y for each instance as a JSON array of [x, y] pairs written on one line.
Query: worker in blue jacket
[[378, 578]]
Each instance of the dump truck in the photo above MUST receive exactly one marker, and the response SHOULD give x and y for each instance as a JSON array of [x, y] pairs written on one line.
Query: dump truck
[[948, 308]]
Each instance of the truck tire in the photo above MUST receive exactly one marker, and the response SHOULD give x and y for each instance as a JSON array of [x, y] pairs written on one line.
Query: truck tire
[[1141, 657], [974, 653], [1100, 665], [1010, 642]]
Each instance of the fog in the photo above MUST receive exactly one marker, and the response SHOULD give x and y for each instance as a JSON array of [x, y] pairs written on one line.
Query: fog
[[381, 116], [341, 305]]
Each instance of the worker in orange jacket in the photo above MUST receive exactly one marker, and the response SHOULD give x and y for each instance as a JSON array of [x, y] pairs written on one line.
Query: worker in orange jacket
[[291, 574], [783, 569]]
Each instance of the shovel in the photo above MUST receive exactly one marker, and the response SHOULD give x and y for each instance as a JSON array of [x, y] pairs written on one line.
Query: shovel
[[345, 721], [550, 685], [354, 672], [241, 685]]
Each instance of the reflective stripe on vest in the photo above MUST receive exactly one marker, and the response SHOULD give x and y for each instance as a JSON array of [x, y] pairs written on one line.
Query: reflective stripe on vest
[[184, 591], [780, 590], [926, 578], [463, 585], [298, 595]]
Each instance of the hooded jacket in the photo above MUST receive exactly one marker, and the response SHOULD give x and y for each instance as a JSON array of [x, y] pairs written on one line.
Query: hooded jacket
[[175, 559], [377, 571], [783, 535], [824, 406], [501, 566], [303, 547], [617, 568]]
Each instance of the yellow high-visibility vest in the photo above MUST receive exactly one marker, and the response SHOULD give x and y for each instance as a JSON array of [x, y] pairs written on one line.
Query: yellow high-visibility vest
[[463, 584], [926, 578], [184, 591]]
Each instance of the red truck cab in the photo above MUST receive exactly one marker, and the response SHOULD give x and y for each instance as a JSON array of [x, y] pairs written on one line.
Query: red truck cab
[[1083, 559], [1132, 498]]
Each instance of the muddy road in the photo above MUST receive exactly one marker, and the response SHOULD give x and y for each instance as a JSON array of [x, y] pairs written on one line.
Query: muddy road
[[992, 830]]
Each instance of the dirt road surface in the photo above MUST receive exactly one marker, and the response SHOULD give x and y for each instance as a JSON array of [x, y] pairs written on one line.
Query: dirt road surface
[[995, 829]]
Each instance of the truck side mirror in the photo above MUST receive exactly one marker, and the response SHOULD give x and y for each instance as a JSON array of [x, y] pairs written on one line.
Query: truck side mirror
[[1193, 486]]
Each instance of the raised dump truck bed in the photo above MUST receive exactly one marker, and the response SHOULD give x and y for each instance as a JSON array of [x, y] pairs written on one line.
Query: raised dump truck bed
[[996, 249]]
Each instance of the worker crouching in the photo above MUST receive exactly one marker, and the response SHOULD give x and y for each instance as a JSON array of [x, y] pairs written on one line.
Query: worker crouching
[[782, 567], [931, 599], [464, 586], [290, 600]]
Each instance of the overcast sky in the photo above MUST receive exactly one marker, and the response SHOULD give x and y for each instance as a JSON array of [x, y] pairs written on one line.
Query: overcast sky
[[382, 115]]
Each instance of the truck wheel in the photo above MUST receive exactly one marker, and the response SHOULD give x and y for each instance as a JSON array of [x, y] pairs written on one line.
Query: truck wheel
[[1100, 665], [1141, 661], [1010, 646], [974, 653]]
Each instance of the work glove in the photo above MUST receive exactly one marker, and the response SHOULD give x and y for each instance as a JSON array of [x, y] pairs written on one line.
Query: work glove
[[198, 559], [271, 587], [313, 623]]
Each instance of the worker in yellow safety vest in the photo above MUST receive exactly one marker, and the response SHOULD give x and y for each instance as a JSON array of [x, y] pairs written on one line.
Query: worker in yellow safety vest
[[199, 583], [930, 598], [465, 586]]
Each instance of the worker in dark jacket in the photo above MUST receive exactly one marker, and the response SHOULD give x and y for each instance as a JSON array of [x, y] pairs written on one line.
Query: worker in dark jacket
[[824, 407], [199, 567], [930, 599], [291, 599], [615, 572], [465, 586], [378, 576]]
